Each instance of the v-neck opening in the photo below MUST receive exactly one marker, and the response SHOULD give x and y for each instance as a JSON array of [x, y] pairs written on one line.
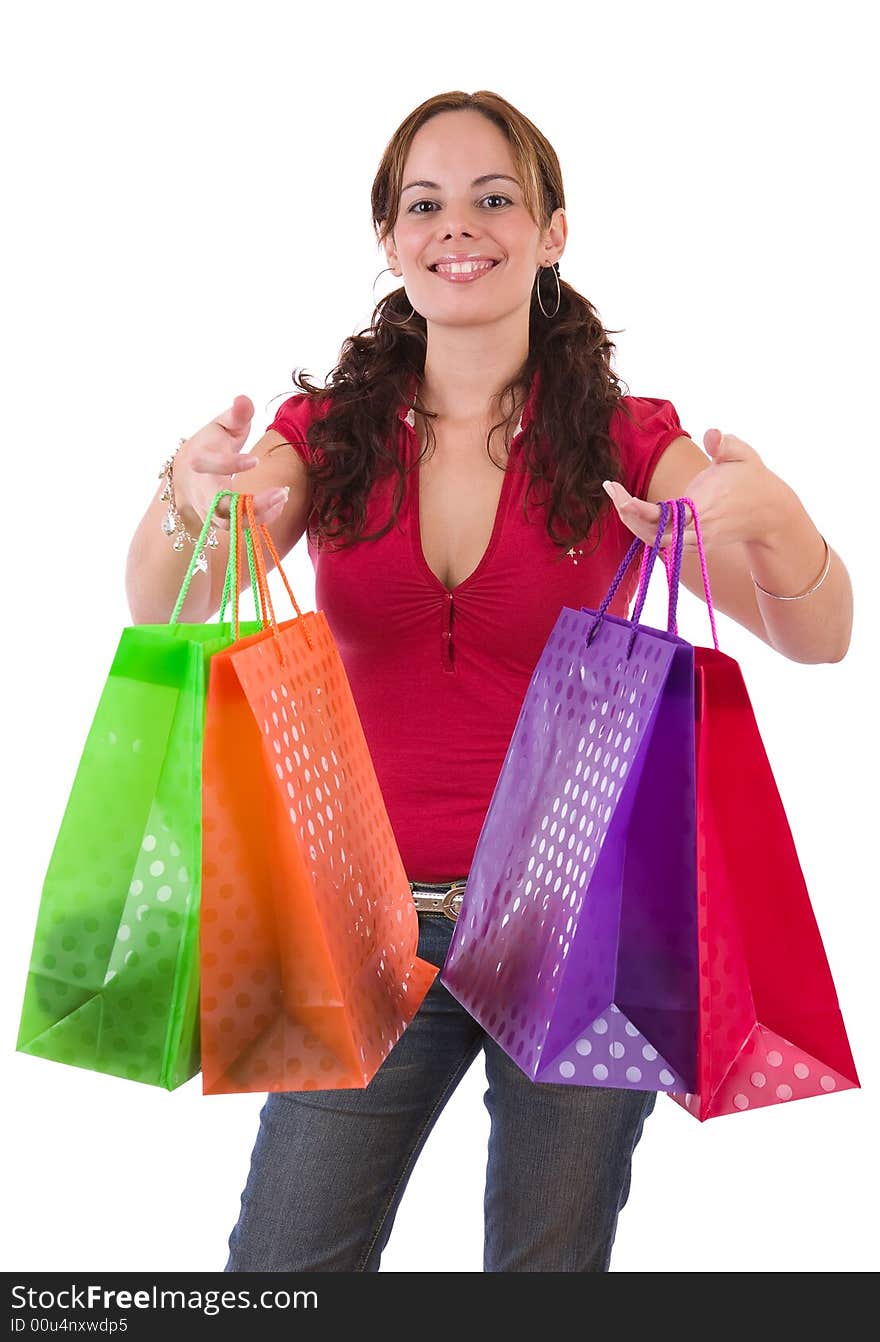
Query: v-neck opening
[[416, 523]]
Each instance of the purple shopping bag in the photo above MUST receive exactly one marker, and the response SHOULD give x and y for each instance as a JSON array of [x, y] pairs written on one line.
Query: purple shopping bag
[[576, 943]]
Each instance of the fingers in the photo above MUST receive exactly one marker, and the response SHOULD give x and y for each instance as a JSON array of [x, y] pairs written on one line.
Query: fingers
[[268, 507], [649, 535], [216, 461], [688, 538], [238, 417], [688, 530]]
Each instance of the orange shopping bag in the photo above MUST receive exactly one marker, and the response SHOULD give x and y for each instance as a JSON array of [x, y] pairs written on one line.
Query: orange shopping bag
[[308, 930]]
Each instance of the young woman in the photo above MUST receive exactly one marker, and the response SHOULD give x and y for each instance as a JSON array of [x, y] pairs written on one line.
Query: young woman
[[451, 478]]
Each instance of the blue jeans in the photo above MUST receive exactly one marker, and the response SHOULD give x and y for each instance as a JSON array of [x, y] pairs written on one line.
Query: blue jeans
[[329, 1167]]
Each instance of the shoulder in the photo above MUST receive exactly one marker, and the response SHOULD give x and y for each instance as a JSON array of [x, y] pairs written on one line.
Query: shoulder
[[643, 427], [636, 418], [292, 420], [298, 412]]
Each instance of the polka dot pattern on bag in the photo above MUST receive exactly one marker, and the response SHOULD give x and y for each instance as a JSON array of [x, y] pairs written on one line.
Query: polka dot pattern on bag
[[524, 906], [308, 926], [120, 895], [614, 1052], [768, 1070]]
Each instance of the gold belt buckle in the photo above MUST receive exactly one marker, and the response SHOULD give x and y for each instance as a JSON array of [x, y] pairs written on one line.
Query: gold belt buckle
[[446, 904]]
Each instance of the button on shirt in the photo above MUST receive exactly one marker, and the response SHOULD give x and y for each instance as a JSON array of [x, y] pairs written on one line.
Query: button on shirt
[[439, 676]]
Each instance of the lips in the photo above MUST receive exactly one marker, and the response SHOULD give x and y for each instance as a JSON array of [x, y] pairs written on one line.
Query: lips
[[464, 276], [465, 261]]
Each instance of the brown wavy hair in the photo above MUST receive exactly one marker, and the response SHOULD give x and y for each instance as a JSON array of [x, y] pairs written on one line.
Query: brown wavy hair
[[354, 440]]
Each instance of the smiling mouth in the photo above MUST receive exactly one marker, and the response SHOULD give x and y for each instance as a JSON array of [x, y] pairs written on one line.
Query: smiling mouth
[[464, 276]]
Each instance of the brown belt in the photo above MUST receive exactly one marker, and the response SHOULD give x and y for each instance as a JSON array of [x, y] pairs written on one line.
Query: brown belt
[[438, 897]]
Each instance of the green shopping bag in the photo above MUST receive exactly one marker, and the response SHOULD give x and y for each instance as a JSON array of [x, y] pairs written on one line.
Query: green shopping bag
[[113, 984]]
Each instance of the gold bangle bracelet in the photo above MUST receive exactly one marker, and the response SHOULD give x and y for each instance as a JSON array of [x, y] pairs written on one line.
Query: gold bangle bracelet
[[809, 592]]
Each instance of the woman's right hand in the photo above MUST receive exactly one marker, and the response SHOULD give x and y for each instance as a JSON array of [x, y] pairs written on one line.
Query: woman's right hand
[[207, 463]]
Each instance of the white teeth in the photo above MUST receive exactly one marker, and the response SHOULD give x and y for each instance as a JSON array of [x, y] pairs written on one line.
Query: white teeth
[[463, 267]]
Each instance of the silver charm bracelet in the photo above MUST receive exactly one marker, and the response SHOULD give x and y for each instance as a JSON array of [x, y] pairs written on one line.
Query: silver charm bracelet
[[173, 524]]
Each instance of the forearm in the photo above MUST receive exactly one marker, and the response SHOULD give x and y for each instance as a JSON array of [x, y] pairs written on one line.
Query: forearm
[[155, 571], [788, 560]]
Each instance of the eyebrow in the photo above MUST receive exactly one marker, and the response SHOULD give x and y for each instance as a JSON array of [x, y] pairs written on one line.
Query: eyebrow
[[478, 181]]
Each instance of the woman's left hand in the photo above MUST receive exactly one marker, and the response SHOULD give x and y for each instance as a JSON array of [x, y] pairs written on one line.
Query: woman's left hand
[[736, 498]]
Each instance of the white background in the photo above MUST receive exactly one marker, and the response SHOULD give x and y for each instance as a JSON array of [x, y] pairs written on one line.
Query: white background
[[187, 218]]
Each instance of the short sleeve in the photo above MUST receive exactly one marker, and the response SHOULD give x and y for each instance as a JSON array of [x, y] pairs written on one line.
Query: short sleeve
[[292, 421], [644, 439]]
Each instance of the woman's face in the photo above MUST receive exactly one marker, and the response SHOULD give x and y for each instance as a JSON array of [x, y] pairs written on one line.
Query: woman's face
[[456, 216]]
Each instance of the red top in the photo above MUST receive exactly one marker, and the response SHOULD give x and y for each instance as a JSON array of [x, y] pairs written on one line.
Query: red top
[[439, 676]]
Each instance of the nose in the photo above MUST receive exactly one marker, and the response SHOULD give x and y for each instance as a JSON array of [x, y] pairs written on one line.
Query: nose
[[464, 229]]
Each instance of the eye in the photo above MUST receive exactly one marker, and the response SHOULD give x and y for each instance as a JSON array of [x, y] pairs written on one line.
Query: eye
[[413, 209]]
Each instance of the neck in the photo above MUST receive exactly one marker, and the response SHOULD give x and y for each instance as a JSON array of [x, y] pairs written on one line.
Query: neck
[[466, 369]]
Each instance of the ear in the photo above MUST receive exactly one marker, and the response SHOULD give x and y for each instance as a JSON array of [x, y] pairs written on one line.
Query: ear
[[556, 234], [389, 248]]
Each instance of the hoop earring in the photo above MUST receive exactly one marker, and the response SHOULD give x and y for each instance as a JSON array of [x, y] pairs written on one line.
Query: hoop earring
[[387, 319], [552, 266]]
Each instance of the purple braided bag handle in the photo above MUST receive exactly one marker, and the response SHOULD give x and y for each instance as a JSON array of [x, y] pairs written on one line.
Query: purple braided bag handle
[[649, 554], [619, 575], [678, 524]]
